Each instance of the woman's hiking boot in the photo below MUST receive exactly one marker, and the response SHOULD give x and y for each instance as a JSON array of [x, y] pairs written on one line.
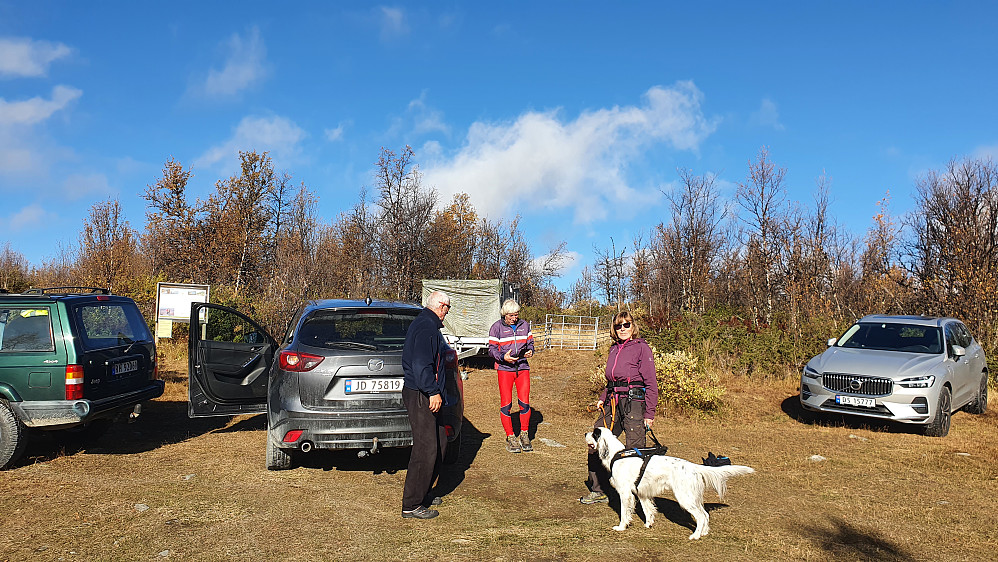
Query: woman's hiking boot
[[525, 445], [594, 497], [512, 444]]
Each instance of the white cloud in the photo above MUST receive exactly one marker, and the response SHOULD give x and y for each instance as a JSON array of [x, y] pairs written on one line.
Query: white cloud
[[36, 109], [23, 151], [418, 119], [768, 115], [278, 135], [393, 23], [426, 119], [27, 217], [79, 186], [27, 58], [541, 160], [569, 262], [336, 134], [245, 66], [984, 152]]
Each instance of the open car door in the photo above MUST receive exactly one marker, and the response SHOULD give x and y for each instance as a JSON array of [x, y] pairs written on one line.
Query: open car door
[[229, 362]]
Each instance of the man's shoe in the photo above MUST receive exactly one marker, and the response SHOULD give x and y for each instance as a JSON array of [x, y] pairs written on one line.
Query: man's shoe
[[433, 500], [420, 513], [594, 497], [512, 444], [525, 445]]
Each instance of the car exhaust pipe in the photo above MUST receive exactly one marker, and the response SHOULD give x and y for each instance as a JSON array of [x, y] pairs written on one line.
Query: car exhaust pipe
[[374, 449], [306, 446]]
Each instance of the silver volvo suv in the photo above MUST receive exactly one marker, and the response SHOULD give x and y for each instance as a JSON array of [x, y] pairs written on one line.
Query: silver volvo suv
[[910, 369], [333, 382]]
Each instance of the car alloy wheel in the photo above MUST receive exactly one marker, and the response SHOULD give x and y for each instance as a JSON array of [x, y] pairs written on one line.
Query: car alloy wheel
[[939, 426]]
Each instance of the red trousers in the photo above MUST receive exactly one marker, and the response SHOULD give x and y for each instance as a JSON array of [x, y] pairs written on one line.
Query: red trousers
[[507, 379]]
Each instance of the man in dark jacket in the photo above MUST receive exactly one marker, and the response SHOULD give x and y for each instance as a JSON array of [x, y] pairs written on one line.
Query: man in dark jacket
[[423, 395]]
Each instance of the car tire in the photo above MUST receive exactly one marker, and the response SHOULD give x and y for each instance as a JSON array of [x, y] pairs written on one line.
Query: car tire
[[939, 426], [13, 436], [980, 402], [277, 458]]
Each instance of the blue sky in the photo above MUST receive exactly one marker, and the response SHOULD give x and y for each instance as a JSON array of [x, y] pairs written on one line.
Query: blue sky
[[575, 115]]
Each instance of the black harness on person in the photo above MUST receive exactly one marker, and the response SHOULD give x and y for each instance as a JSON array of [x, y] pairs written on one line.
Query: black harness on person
[[644, 453]]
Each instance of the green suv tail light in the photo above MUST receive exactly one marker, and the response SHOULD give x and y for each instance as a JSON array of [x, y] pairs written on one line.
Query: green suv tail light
[[74, 382]]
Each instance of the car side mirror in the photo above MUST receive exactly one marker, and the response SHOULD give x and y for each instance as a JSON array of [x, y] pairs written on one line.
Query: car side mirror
[[958, 351], [832, 341]]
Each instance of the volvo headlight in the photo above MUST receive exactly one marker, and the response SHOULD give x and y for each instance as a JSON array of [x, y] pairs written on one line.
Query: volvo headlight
[[918, 382], [809, 372]]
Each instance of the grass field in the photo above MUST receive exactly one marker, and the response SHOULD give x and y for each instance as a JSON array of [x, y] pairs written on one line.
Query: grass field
[[171, 488]]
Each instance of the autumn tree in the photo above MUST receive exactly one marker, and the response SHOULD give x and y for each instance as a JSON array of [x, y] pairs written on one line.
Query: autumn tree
[[405, 209], [108, 247], [14, 270], [453, 237], [610, 273], [953, 250], [175, 238], [763, 199]]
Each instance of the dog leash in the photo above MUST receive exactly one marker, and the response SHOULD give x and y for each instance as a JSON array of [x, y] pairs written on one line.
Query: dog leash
[[653, 438]]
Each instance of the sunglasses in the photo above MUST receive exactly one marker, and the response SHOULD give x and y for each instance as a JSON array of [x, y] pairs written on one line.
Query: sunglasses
[[624, 325]]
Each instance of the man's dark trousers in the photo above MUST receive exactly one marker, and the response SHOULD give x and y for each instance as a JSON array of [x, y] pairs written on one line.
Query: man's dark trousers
[[429, 444]]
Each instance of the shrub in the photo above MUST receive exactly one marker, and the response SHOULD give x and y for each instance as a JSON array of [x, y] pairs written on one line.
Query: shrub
[[684, 382]]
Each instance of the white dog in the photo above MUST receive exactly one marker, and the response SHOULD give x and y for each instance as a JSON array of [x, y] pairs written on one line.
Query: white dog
[[662, 473]]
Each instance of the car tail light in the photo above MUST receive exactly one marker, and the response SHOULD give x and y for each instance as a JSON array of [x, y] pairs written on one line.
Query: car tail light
[[298, 362], [292, 436], [103, 298], [74, 382]]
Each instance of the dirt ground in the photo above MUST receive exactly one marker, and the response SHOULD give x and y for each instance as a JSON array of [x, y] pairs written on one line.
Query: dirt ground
[[171, 488]]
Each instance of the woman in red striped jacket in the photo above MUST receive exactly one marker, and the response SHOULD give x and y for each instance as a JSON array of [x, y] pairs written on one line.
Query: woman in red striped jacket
[[510, 344]]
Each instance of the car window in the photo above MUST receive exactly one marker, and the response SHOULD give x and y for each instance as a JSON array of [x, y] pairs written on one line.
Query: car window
[[25, 329], [366, 328], [963, 336], [226, 326], [104, 324], [889, 336]]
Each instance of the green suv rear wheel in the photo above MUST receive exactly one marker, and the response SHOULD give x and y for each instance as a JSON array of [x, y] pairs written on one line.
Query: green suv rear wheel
[[12, 436]]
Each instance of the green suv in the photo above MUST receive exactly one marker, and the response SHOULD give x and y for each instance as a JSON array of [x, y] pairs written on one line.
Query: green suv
[[70, 357]]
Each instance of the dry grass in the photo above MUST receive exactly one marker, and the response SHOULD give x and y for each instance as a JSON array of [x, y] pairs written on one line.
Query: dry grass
[[883, 493]]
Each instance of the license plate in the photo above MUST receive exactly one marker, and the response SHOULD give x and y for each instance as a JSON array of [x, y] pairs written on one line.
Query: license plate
[[355, 386], [856, 401], [125, 367]]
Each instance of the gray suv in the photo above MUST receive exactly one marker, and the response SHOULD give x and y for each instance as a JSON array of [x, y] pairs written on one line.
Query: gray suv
[[333, 382], [911, 369]]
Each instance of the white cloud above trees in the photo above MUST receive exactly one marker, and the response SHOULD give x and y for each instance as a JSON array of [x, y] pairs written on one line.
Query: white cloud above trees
[[579, 164]]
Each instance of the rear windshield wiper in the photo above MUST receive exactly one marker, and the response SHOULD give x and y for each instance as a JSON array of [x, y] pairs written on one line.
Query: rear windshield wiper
[[352, 345]]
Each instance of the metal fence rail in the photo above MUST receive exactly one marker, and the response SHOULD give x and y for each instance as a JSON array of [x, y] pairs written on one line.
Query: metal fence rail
[[562, 331]]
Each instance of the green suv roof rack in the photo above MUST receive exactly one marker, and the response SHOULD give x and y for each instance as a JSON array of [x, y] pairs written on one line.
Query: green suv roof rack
[[67, 290]]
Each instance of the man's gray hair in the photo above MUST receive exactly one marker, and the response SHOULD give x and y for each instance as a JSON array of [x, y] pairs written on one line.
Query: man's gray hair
[[509, 307], [437, 298]]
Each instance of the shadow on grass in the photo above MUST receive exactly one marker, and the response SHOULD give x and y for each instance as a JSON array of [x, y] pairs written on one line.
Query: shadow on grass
[[673, 512], [393, 459], [536, 417], [162, 422], [452, 475], [843, 541], [792, 408]]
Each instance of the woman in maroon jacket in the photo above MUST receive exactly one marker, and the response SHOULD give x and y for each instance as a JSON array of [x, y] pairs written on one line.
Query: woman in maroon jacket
[[627, 404]]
